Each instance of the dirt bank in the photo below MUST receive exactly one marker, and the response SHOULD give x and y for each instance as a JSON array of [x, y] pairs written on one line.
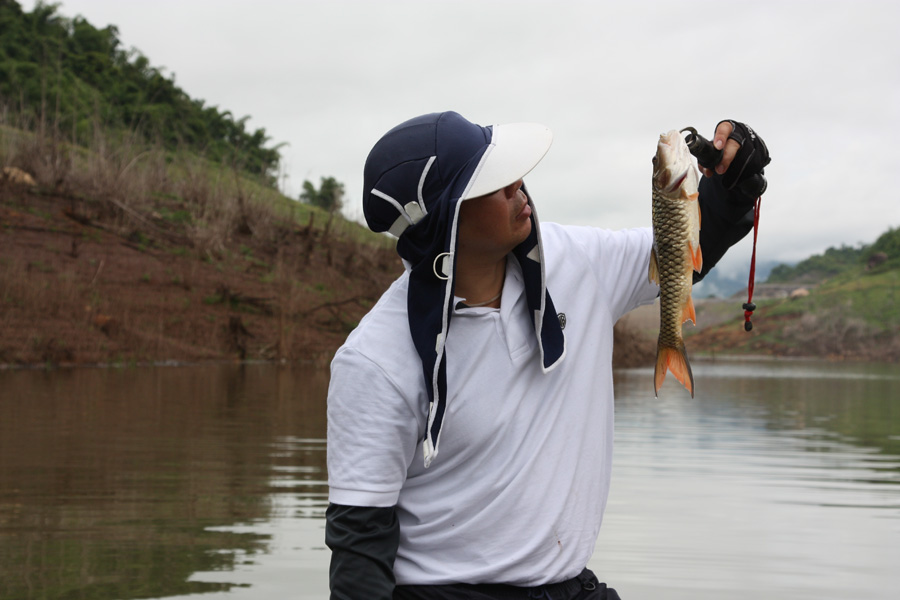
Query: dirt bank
[[78, 286]]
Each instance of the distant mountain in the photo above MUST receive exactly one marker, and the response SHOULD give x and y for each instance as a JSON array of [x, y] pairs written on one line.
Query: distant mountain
[[724, 284]]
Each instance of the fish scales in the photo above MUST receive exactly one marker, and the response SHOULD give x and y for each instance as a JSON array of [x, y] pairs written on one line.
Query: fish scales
[[676, 253], [669, 230]]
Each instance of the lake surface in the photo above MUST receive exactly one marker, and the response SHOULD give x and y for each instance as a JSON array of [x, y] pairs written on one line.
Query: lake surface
[[780, 478]]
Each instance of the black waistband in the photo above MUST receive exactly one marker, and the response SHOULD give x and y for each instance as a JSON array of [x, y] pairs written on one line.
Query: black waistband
[[551, 591]]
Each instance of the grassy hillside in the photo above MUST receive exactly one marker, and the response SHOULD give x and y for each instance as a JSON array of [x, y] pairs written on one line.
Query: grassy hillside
[[852, 309], [64, 75], [139, 225], [127, 253], [855, 313]]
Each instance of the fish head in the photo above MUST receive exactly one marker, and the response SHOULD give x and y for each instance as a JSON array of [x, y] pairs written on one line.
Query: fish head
[[673, 165]]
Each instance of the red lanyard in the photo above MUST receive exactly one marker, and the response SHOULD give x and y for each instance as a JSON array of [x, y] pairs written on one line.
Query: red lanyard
[[749, 307]]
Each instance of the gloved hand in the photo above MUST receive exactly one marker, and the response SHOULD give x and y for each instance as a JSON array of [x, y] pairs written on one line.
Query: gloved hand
[[744, 157]]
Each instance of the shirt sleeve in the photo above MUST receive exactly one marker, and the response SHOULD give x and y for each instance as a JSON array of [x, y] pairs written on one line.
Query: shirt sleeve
[[373, 430], [363, 542], [620, 261]]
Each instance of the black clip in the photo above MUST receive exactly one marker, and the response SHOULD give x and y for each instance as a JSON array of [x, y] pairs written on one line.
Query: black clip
[[707, 155]]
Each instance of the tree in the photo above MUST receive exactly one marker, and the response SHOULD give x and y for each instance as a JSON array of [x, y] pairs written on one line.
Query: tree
[[329, 196]]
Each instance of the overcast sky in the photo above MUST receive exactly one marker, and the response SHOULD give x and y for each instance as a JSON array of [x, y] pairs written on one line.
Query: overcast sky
[[818, 79]]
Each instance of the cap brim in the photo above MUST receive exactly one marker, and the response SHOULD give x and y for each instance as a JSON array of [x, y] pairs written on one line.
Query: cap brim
[[515, 149]]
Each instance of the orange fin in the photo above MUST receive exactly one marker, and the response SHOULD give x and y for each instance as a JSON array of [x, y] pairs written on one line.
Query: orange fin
[[688, 313], [696, 257], [694, 242], [654, 267], [676, 361]]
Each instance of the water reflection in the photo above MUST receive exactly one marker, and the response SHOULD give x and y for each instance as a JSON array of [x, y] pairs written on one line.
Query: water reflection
[[779, 477], [126, 484]]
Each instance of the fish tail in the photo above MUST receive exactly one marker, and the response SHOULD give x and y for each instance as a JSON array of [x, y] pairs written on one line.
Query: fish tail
[[675, 360]]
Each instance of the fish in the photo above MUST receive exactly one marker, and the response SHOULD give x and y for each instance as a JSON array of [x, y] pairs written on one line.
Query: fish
[[676, 253]]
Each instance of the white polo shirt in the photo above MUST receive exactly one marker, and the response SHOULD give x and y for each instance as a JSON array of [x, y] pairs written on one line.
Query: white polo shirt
[[517, 493]]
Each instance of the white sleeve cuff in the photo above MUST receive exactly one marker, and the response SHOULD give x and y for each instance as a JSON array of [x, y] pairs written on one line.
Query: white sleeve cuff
[[362, 498]]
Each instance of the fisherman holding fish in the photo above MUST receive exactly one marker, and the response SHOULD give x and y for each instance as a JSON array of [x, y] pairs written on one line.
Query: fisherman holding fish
[[470, 414]]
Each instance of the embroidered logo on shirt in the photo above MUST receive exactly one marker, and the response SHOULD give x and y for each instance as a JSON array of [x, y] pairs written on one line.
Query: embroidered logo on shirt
[[562, 320]]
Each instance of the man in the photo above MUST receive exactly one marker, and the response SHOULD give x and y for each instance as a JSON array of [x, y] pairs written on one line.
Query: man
[[470, 415]]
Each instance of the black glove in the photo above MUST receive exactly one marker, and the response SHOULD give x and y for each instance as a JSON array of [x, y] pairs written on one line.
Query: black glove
[[746, 170]]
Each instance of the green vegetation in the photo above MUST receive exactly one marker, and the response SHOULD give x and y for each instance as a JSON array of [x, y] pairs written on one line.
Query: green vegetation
[[871, 297], [818, 267], [329, 196], [167, 238], [888, 243], [66, 75], [846, 259], [98, 125]]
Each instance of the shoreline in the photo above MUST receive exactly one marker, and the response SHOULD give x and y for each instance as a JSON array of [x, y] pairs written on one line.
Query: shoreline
[[80, 287]]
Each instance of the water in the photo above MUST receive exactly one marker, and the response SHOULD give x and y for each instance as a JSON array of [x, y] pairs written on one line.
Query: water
[[780, 478]]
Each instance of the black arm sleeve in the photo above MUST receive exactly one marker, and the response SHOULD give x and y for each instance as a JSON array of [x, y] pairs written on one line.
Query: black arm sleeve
[[726, 216], [363, 542]]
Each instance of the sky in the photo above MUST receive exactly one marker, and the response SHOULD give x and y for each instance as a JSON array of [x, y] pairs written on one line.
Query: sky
[[819, 80]]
